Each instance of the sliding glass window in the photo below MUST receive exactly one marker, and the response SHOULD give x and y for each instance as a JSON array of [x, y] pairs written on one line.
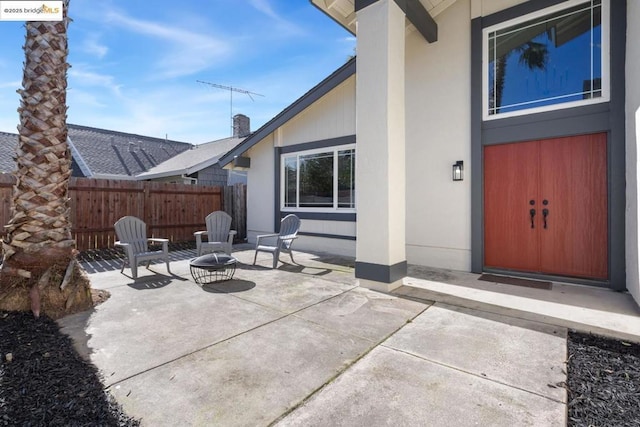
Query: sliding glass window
[[319, 180]]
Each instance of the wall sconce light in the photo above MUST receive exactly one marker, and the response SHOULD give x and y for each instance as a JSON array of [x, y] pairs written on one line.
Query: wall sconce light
[[458, 169]]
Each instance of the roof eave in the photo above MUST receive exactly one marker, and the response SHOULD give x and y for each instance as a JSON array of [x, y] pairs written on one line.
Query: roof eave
[[317, 92], [182, 171], [348, 23]]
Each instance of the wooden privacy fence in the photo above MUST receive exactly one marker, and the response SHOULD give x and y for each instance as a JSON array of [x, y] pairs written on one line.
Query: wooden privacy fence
[[173, 211]]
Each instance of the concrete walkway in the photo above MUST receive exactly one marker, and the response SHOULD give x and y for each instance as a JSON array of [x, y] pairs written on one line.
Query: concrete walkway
[[303, 345]]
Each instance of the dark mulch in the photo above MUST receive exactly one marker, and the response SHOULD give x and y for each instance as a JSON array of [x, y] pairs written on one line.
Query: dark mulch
[[603, 381], [44, 382]]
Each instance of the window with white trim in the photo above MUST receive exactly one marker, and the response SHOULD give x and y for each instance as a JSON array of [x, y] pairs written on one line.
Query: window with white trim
[[554, 58], [319, 180]]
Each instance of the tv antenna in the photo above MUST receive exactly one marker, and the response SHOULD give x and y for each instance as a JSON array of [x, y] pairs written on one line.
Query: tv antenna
[[231, 89]]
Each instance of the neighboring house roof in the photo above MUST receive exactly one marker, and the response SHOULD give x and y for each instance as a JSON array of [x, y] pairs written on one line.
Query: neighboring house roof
[[317, 92], [102, 153], [8, 144], [191, 161]]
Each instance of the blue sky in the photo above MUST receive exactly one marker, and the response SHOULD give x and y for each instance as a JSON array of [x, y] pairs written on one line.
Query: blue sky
[[134, 64]]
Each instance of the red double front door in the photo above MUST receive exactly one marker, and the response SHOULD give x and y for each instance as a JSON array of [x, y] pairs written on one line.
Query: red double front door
[[545, 206]]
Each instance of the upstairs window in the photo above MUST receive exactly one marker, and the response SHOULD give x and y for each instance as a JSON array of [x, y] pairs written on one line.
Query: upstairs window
[[319, 180], [554, 58]]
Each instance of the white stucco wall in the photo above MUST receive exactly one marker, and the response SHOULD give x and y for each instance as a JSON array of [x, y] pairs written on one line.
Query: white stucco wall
[[322, 244], [633, 155], [438, 129], [331, 116], [260, 190]]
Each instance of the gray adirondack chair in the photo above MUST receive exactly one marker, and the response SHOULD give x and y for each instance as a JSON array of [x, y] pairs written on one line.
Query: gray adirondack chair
[[132, 238], [289, 227], [219, 234]]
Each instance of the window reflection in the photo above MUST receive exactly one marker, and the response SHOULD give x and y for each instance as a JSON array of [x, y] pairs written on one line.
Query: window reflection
[[346, 179], [290, 182], [316, 181], [545, 61], [320, 180]]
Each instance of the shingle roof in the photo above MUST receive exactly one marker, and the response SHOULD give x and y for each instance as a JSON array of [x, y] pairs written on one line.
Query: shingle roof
[[8, 143], [190, 161], [105, 152], [117, 153]]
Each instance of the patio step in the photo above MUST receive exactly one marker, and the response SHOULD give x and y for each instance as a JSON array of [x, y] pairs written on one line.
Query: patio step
[[582, 308]]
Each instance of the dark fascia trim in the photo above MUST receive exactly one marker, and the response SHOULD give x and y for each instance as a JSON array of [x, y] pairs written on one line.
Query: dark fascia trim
[[477, 171], [518, 11], [564, 113], [242, 162], [323, 216], [328, 236], [420, 18], [361, 4], [415, 13], [564, 122], [317, 92], [381, 273], [324, 143], [617, 147]]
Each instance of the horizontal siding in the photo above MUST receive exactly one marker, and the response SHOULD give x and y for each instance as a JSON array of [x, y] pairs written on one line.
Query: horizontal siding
[[331, 116]]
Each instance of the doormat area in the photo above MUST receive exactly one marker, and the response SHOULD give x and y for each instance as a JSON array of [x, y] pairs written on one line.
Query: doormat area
[[537, 284]]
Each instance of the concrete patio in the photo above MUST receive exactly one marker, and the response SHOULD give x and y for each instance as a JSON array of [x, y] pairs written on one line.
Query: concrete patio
[[304, 345]]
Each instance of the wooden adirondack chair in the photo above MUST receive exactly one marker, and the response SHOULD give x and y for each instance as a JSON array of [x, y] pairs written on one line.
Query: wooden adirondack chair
[[289, 227], [132, 238], [219, 234]]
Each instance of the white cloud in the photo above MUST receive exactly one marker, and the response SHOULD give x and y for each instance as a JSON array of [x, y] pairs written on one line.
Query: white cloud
[[188, 52], [91, 46], [79, 99], [82, 77], [186, 112], [14, 84], [265, 7], [284, 26]]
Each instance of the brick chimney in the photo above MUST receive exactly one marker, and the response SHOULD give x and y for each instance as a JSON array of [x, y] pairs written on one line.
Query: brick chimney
[[241, 126]]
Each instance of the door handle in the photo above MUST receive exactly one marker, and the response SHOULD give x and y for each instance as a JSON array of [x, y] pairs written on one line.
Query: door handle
[[545, 213], [532, 213]]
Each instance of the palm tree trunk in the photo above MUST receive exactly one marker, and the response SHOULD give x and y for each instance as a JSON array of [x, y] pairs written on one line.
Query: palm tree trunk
[[39, 269]]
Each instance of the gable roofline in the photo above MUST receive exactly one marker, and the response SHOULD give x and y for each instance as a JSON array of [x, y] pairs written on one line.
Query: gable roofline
[[115, 153], [333, 18], [317, 92], [123, 134], [191, 161], [75, 154], [181, 171]]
